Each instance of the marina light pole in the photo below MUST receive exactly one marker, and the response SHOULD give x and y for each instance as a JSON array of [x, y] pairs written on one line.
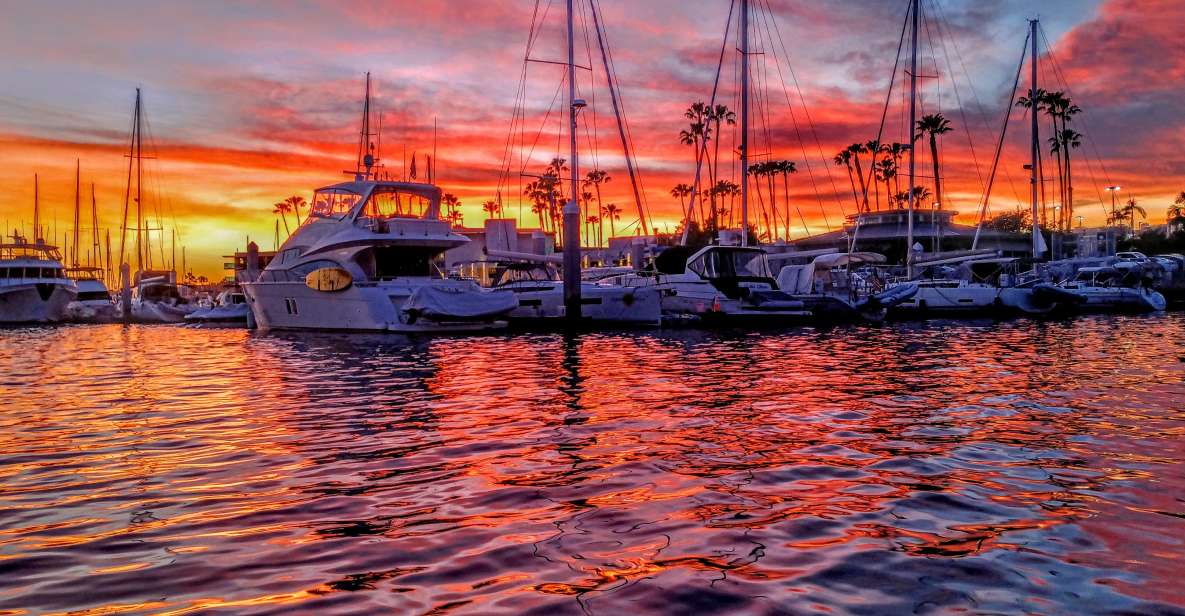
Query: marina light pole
[[1035, 137], [1113, 190], [572, 207], [913, 119], [744, 123]]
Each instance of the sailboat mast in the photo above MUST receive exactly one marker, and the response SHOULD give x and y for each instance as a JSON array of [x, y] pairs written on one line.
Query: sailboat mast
[[77, 188], [141, 237], [625, 148], [913, 119], [571, 212], [36, 211], [1035, 137], [744, 123], [98, 256], [364, 136]]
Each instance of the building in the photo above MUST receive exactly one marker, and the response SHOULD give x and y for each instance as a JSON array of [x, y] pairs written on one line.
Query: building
[[886, 231]]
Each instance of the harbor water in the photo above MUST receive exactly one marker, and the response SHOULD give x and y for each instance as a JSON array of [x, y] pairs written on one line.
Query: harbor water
[[1003, 467]]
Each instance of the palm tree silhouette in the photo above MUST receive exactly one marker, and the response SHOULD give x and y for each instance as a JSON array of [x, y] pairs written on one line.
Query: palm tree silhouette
[[613, 213], [491, 208], [933, 125], [786, 167], [453, 210], [857, 149], [1129, 211], [282, 208], [758, 170], [844, 159], [295, 202]]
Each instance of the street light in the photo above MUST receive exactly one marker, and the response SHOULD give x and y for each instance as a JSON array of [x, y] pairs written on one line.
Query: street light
[[1113, 190]]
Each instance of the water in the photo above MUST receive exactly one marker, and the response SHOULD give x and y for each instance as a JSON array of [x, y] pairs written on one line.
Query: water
[[992, 467]]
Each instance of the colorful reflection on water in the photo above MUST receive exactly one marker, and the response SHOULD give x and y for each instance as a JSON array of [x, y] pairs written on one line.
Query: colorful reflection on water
[[999, 467]]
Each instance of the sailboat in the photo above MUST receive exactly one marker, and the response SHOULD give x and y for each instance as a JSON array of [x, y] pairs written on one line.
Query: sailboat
[[157, 298], [550, 289], [948, 284], [367, 258], [93, 303], [33, 284]]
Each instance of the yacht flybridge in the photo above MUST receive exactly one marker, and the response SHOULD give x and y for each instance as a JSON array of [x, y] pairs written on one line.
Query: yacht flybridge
[[33, 284], [366, 259]]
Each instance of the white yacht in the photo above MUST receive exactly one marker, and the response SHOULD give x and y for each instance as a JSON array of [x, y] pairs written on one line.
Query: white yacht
[[229, 307], [718, 284], [982, 286], [367, 259], [540, 294], [833, 289], [159, 299], [1117, 288], [33, 284], [93, 304]]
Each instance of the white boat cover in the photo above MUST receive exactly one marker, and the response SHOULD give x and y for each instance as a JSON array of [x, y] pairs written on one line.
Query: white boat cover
[[444, 304], [232, 312]]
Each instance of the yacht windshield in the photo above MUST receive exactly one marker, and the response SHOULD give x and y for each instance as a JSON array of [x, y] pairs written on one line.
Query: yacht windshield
[[391, 202], [722, 263], [333, 203]]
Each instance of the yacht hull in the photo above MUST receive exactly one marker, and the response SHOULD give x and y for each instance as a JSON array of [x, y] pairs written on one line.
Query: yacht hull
[[91, 311], [359, 308], [160, 312], [599, 304], [41, 302], [1118, 299]]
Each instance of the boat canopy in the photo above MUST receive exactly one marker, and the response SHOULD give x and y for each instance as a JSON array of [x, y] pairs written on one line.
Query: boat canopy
[[829, 261], [715, 262], [376, 201]]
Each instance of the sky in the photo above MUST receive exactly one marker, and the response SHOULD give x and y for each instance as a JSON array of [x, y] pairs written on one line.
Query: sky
[[250, 102]]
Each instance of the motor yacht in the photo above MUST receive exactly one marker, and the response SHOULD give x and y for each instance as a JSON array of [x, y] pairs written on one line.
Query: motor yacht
[[33, 284], [159, 299], [367, 258], [93, 303], [229, 308], [718, 284], [833, 286], [539, 290], [1117, 288]]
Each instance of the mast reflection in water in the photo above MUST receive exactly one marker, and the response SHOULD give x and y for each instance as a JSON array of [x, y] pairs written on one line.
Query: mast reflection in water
[[1000, 467]]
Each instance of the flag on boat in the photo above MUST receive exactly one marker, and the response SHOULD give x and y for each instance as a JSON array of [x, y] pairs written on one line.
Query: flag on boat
[[1041, 246], [412, 174]]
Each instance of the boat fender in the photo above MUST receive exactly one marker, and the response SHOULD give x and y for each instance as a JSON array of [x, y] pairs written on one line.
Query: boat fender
[[716, 305], [628, 299], [922, 304], [412, 316]]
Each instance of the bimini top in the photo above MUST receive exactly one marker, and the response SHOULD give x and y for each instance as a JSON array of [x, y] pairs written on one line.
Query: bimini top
[[377, 200], [27, 251]]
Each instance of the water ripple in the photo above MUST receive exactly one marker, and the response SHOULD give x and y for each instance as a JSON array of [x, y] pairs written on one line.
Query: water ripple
[[1010, 467]]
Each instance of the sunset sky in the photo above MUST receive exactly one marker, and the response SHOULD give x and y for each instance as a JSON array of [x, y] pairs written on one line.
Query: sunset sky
[[251, 102]]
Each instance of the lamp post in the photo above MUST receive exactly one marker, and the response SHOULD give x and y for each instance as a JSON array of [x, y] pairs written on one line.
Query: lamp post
[[1113, 190]]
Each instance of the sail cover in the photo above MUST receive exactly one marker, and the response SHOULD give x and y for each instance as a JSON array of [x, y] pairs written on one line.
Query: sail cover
[[444, 304]]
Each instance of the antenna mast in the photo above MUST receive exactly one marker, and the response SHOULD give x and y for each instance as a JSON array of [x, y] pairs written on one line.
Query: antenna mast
[[1035, 137], [77, 177], [913, 119], [744, 123]]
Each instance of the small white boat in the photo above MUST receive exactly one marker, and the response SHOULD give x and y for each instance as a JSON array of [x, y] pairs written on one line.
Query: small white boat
[[718, 284], [540, 295], [93, 304], [230, 307], [159, 299], [833, 290], [1108, 289], [33, 284]]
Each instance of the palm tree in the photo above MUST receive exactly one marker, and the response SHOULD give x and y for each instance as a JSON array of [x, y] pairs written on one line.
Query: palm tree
[[873, 147], [844, 159], [613, 213], [920, 195], [886, 171], [1176, 214], [718, 114], [453, 209], [1129, 211], [757, 170], [296, 202], [595, 178], [598, 228], [491, 208], [786, 167], [857, 149], [1067, 140], [681, 192], [897, 150], [696, 132], [282, 208], [933, 125]]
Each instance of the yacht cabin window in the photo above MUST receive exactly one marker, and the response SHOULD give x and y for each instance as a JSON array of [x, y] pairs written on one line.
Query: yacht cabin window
[[390, 202], [333, 203]]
